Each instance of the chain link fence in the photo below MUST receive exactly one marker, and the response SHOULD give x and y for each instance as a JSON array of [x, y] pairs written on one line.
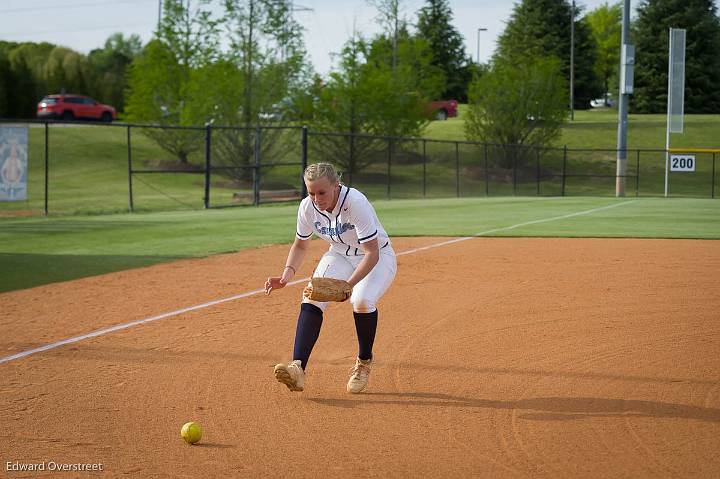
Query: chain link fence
[[88, 168]]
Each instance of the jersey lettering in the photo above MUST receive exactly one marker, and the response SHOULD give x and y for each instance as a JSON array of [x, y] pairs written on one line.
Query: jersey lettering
[[340, 229], [352, 222]]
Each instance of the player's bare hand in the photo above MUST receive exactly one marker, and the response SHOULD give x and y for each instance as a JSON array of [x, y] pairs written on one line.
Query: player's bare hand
[[273, 283]]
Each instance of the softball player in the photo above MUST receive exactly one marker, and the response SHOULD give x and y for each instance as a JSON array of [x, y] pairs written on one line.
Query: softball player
[[360, 253]]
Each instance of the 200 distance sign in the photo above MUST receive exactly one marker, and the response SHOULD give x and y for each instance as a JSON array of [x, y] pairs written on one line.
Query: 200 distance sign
[[682, 162]]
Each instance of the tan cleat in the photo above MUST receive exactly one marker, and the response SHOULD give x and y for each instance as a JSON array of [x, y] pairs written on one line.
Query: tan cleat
[[359, 376], [291, 375]]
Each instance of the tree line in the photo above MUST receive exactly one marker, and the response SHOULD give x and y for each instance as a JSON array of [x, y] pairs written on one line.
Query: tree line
[[243, 63], [29, 71]]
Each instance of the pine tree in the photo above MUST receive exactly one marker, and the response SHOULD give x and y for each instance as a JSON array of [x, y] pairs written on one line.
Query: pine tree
[[702, 63], [446, 43], [541, 28]]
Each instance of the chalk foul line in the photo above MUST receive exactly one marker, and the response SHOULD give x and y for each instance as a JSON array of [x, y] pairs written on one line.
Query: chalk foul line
[[120, 327]]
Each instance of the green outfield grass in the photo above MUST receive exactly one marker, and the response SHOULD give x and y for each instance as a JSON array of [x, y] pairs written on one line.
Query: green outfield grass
[[88, 173], [37, 250], [597, 128]]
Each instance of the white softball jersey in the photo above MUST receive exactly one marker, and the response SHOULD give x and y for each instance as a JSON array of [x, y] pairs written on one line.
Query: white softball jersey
[[351, 223]]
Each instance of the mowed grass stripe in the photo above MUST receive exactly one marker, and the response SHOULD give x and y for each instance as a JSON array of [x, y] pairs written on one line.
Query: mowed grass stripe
[[35, 251]]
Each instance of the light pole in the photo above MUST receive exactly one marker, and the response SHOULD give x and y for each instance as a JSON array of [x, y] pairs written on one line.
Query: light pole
[[478, 43], [626, 50], [572, 61]]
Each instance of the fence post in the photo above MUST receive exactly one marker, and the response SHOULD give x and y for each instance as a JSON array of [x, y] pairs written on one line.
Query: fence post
[[47, 167], [564, 169], [713, 177], [515, 149], [256, 169], [130, 171], [390, 145], [637, 175], [304, 160], [487, 179], [537, 169], [424, 180], [457, 169], [352, 158], [208, 149]]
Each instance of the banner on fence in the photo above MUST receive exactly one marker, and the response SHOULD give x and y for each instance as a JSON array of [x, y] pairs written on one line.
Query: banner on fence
[[13, 163]]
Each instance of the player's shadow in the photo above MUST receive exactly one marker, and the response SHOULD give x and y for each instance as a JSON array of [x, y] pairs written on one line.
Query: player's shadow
[[538, 409]]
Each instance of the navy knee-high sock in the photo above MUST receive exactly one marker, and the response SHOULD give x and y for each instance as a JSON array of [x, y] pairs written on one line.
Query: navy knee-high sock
[[308, 330], [365, 325]]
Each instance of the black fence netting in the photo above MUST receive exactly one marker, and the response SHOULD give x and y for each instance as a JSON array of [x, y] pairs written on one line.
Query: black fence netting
[[249, 166], [700, 182], [90, 168], [168, 177]]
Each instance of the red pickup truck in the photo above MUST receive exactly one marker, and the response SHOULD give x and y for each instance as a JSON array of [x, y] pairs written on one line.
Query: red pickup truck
[[442, 109]]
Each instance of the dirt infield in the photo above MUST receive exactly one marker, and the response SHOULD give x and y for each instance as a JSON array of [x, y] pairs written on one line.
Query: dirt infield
[[494, 358]]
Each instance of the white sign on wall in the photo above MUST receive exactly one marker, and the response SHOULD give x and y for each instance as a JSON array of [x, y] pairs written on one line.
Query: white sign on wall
[[682, 162]]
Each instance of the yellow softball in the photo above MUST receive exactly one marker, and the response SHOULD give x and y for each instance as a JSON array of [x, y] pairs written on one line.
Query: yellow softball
[[191, 432]]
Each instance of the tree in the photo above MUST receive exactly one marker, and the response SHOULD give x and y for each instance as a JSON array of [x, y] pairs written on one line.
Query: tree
[[605, 22], [517, 105], [106, 68], [155, 86], [64, 71], [390, 18], [541, 28], [266, 48], [7, 82], [365, 95], [158, 95], [448, 51], [411, 61], [27, 62], [159, 77], [39, 69], [189, 77], [343, 106], [186, 39], [190, 34], [702, 63]]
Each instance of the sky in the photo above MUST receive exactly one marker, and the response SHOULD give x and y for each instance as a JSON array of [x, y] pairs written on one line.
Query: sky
[[85, 24]]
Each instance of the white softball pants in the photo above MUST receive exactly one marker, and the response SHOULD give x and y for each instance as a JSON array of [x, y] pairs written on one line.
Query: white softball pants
[[370, 289]]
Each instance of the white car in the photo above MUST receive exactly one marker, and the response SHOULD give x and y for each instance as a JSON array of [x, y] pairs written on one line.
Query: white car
[[602, 102]]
